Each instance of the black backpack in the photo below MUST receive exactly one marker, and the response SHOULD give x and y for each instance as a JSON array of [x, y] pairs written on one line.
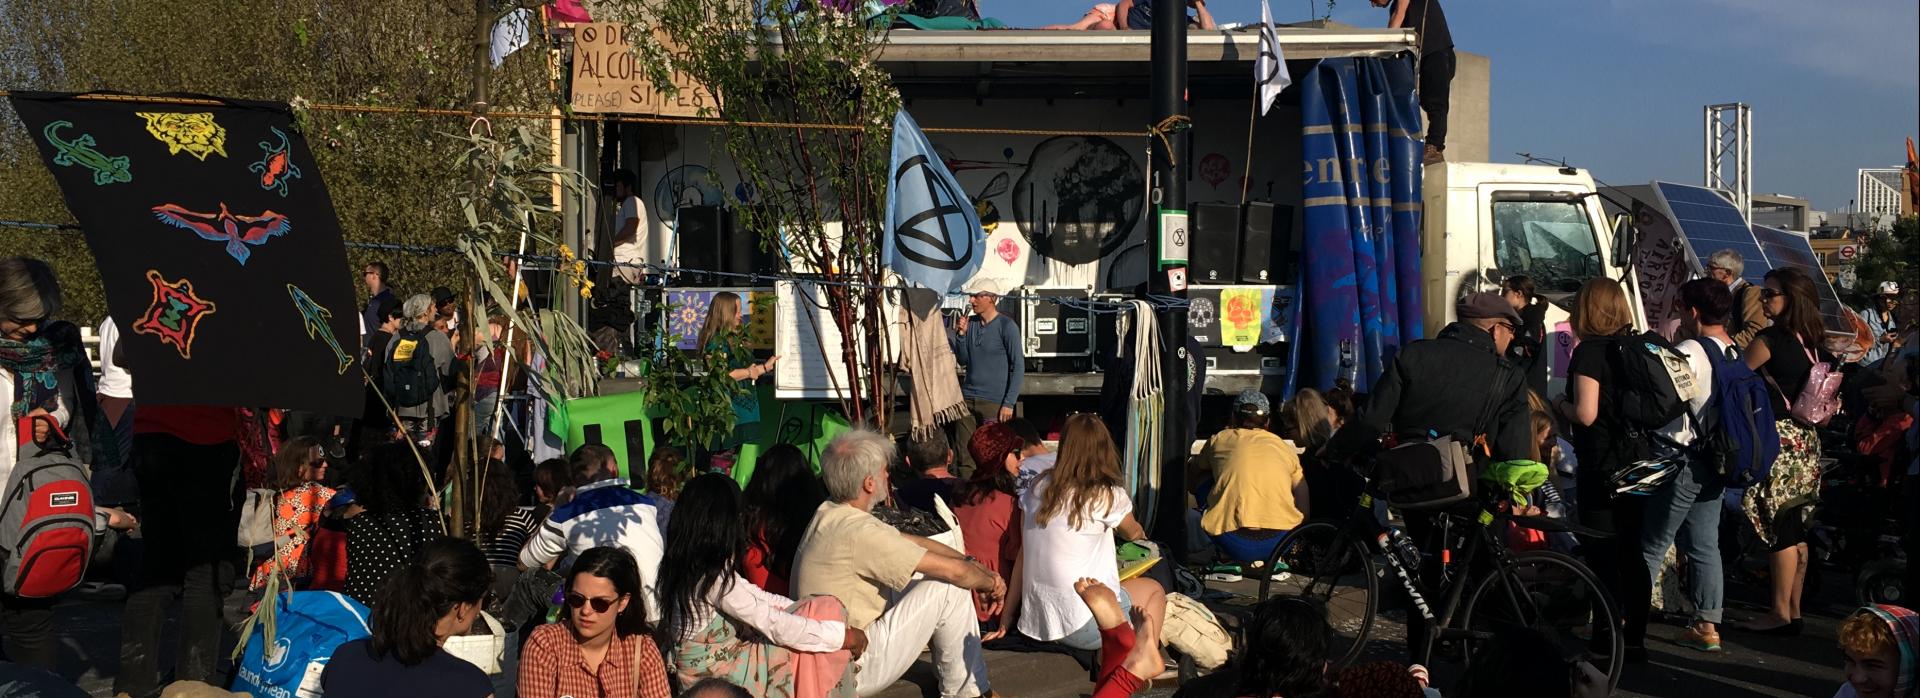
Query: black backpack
[[410, 376], [1655, 382]]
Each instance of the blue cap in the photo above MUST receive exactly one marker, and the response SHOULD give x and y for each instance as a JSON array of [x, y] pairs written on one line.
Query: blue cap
[[1252, 401]]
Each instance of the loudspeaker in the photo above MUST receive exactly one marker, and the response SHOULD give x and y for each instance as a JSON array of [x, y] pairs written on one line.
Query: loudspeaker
[[1258, 262], [1213, 249], [699, 234], [741, 253]]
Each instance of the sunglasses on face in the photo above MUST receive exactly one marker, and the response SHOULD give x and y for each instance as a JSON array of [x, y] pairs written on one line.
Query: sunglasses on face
[[599, 605], [1770, 293]]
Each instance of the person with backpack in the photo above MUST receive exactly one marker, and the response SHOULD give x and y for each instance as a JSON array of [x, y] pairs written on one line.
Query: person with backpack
[[1607, 443], [1458, 384], [1692, 499], [1803, 389], [45, 500], [418, 360]]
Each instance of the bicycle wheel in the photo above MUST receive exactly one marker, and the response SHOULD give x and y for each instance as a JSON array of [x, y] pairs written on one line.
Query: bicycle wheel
[[1556, 595], [1334, 569]]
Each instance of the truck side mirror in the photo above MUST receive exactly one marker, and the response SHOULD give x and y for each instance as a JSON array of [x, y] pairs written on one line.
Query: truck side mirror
[[1624, 238]]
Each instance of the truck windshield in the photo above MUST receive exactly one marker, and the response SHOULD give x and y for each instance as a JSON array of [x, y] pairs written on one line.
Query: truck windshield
[[1551, 242]]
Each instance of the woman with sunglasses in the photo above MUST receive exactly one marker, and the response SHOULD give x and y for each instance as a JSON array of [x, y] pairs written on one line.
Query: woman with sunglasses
[[1784, 353], [602, 646], [434, 597], [719, 625], [295, 472]]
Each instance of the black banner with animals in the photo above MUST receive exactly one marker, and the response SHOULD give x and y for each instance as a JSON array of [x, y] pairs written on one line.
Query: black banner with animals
[[217, 244]]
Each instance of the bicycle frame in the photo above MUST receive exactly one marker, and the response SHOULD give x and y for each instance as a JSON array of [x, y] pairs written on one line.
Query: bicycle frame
[[1367, 523]]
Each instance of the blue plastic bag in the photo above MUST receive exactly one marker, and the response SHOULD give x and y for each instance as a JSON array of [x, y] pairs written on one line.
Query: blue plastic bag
[[309, 626]]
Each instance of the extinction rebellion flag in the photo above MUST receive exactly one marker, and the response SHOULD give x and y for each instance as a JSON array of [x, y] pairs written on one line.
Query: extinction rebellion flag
[[217, 244], [933, 237]]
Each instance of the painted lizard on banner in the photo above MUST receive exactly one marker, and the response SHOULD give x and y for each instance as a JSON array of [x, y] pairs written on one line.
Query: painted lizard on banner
[[315, 318], [276, 164], [107, 169]]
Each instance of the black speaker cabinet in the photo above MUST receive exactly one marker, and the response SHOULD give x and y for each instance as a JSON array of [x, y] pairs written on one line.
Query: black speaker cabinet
[[1213, 251], [1258, 261], [741, 252], [1269, 249], [700, 231]]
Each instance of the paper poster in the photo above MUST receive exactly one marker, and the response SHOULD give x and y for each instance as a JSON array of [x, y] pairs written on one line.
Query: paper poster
[[1280, 302], [1241, 316], [687, 310]]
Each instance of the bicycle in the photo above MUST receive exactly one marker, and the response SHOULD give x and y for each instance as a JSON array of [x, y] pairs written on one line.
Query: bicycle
[[1341, 564]]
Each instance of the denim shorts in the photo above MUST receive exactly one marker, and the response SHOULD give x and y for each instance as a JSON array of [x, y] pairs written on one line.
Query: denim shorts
[[1088, 636]]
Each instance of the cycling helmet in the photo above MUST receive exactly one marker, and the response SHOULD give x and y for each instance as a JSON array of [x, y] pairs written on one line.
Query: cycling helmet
[[1643, 477]]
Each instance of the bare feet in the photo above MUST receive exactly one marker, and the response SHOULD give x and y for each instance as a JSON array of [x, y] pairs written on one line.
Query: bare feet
[[1144, 660], [1100, 600]]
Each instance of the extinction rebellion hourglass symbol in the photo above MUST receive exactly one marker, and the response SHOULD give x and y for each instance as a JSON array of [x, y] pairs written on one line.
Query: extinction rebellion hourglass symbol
[[939, 247]]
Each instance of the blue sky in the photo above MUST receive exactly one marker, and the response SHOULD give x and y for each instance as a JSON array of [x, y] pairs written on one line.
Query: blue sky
[[1618, 85]]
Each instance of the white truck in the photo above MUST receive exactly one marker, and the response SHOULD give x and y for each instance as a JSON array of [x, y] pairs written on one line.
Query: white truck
[[1487, 221]]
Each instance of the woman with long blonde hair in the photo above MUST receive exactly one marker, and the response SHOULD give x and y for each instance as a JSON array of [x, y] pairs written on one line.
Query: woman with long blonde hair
[[1071, 513], [723, 316]]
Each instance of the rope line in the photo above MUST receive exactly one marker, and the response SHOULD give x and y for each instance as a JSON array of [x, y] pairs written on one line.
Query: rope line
[[614, 118], [1159, 301]]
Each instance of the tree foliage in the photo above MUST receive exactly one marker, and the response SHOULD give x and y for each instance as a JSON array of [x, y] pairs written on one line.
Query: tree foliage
[[1889, 256], [390, 175], [819, 193]]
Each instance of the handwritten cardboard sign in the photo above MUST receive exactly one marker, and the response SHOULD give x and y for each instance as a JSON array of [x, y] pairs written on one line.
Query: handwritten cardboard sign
[[608, 78]]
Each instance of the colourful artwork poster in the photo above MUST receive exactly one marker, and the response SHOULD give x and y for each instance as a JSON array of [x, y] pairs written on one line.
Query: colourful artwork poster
[[1241, 316], [217, 245], [687, 312]]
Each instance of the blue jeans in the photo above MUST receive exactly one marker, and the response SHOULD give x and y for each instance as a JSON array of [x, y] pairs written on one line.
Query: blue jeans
[[1691, 502]]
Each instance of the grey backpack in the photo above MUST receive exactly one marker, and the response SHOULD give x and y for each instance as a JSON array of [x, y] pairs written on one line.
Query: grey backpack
[[46, 520]]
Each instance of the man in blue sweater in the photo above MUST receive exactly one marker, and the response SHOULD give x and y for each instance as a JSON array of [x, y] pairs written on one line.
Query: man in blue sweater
[[989, 345]]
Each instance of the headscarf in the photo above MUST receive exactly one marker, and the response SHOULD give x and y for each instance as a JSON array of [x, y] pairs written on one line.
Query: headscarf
[[1906, 633]]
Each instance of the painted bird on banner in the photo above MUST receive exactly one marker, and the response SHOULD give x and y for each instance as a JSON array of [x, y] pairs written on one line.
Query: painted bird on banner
[[1270, 68], [933, 237]]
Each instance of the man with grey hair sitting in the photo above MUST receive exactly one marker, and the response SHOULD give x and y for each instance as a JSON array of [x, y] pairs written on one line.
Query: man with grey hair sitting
[[1726, 267], [872, 568]]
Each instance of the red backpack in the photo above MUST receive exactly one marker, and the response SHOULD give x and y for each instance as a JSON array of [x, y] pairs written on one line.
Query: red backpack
[[46, 519]]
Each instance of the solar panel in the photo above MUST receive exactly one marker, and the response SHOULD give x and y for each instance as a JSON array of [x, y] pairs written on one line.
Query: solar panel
[[1710, 223], [1785, 248]]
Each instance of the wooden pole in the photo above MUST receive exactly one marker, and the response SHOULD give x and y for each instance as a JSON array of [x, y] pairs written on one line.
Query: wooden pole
[[464, 471]]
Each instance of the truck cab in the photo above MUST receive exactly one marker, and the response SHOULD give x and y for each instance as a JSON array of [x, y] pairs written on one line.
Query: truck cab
[[1488, 221]]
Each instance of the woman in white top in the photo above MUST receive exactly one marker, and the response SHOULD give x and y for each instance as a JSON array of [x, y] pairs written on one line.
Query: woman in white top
[[717, 624], [1070, 516]]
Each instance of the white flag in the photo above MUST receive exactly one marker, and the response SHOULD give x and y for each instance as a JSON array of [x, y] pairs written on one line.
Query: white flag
[[1270, 69]]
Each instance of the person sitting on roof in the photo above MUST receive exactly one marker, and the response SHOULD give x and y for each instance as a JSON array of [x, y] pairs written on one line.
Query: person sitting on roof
[[1098, 18], [1138, 15]]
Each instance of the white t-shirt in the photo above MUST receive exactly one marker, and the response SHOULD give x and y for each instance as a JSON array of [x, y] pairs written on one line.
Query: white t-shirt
[[1680, 430], [115, 381], [639, 250], [1058, 555]]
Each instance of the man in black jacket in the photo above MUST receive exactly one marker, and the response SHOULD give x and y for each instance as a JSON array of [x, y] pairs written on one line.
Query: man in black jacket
[[1449, 384], [1458, 383]]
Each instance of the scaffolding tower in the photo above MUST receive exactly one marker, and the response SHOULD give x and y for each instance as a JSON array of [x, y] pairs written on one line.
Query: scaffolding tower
[[1729, 153]]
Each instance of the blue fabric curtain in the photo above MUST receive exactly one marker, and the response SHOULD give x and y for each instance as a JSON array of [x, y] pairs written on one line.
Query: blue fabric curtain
[[1360, 276]]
